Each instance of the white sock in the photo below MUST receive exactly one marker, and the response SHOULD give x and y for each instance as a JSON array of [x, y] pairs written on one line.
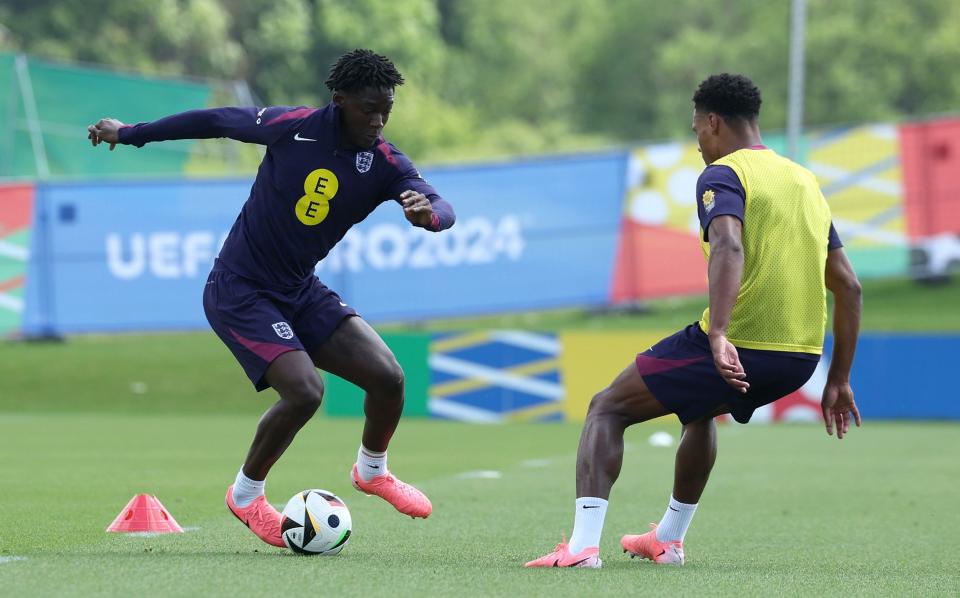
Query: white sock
[[673, 526], [587, 523], [370, 464], [245, 490]]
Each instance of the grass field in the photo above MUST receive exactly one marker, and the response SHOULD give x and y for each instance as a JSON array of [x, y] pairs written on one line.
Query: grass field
[[790, 511], [86, 424]]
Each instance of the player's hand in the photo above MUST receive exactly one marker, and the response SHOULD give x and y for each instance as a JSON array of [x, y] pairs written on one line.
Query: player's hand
[[727, 361], [837, 405], [105, 130], [417, 208]]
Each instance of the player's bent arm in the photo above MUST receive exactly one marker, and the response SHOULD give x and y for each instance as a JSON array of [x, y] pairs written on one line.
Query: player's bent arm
[[848, 301], [443, 215], [724, 270]]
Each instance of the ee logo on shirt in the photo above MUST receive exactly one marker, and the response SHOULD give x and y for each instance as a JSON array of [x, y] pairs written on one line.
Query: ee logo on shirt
[[319, 187]]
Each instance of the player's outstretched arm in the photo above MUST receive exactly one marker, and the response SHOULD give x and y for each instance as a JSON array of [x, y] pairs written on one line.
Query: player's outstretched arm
[[724, 273], [251, 125], [105, 130], [837, 403]]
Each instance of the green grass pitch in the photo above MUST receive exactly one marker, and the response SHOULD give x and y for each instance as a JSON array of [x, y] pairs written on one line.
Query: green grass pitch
[[86, 424], [789, 511]]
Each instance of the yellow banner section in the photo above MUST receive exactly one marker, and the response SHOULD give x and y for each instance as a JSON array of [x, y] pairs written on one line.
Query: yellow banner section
[[591, 360]]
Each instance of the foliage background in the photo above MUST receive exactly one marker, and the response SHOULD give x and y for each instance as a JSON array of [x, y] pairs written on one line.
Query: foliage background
[[495, 77]]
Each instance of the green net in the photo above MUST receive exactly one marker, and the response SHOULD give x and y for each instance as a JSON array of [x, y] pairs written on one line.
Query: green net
[[67, 98]]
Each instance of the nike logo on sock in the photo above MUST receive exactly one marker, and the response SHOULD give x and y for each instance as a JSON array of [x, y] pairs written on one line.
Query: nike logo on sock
[[374, 466], [591, 506], [672, 509]]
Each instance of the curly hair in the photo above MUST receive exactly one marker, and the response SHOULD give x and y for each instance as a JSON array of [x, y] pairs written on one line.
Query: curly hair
[[361, 68], [730, 96]]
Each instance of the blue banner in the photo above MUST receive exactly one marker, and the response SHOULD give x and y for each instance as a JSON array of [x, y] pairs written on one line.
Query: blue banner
[[529, 235], [125, 256], [134, 256]]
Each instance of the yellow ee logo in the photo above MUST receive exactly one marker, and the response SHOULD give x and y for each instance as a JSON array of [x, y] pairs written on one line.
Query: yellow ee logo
[[319, 188]]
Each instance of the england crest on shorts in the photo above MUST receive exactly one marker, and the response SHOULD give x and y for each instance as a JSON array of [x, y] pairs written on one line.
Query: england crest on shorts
[[364, 161], [283, 330]]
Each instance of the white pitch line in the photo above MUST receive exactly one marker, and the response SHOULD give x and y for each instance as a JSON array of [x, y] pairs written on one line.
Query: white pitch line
[[486, 474], [11, 559], [535, 463]]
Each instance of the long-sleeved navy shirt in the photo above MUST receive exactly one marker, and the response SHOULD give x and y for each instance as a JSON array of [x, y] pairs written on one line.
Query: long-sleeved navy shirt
[[309, 189]]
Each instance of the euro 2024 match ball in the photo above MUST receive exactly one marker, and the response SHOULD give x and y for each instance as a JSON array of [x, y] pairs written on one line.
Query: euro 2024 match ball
[[316, 522]]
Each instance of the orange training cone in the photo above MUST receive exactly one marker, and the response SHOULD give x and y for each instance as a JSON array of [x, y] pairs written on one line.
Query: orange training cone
[[144, 513]]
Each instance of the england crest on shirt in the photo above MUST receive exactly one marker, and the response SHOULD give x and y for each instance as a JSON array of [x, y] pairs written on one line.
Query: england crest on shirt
[[283, 330], [364, 161]]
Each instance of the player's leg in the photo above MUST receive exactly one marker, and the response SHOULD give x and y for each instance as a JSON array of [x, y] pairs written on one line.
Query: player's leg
[[295, 379], [696, 455], [266, 346], [625, 402], [356, 353]]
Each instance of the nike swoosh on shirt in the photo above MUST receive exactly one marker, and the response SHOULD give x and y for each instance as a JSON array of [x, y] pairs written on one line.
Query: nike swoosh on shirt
[[297, 137]]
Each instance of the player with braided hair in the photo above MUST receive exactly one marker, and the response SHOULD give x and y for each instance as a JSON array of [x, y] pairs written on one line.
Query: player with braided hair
[[325, 169]]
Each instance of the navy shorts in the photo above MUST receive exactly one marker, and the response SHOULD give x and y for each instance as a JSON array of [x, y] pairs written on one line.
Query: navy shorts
[[680, 373], [259, 324]]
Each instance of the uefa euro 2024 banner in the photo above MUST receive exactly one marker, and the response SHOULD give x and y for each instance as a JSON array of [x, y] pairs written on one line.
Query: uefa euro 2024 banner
[[135, 255]]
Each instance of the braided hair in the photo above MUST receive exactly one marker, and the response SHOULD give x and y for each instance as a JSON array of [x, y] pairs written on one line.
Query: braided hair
[[361, 68]]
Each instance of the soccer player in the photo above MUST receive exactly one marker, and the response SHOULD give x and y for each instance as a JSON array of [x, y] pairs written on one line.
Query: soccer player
[[325, 169], [771, 252]]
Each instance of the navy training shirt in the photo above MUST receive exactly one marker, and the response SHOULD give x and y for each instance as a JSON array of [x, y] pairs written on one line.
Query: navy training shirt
[[309, 188]]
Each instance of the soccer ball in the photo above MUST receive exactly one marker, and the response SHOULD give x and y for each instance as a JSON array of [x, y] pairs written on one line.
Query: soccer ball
[[316, 522]]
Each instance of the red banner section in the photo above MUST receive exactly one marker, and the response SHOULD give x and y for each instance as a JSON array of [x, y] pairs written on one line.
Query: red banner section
[[16, 212], [16, 207], [655, 261], [930, 157]]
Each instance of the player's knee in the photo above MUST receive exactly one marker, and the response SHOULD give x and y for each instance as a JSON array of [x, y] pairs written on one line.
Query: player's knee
[[599, 405], [388, 381], [305, 395]]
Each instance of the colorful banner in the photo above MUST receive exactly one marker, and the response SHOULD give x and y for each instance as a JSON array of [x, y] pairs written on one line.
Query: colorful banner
[[931, 161], [858, 170], [16, 216], [494, 376], [497, 376], [859, 173]]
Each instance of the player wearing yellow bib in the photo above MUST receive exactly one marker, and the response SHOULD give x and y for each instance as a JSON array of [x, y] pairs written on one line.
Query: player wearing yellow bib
[[772, 252]]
